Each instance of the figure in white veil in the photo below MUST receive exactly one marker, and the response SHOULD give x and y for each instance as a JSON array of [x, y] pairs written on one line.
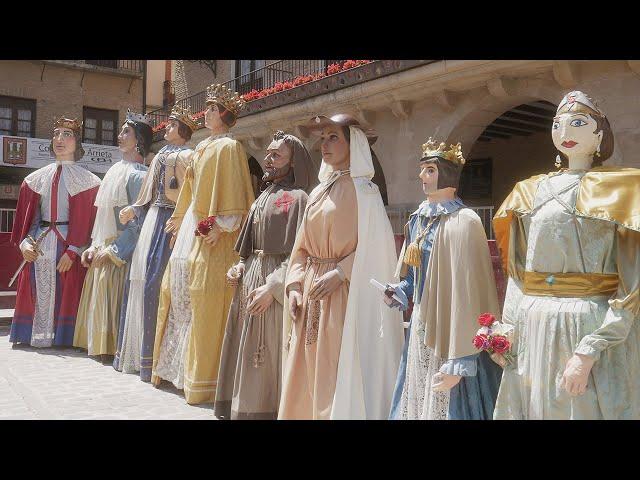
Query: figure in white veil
[[343, 346]]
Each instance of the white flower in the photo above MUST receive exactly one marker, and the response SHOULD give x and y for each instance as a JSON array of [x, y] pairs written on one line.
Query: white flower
[[501, 329], [483, 331]]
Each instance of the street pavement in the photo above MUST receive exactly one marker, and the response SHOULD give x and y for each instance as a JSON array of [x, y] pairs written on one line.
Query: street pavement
[[64, 383]]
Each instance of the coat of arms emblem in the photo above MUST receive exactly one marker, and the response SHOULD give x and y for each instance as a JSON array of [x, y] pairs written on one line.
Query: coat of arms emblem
[[14, 150]]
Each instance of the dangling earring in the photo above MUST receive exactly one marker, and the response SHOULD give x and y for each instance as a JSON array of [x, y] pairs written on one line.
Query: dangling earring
[[598, 151], [558, 163]]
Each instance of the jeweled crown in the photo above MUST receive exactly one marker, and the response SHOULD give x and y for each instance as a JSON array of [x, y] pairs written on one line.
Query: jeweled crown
[[452, 154], [138, 117], [184, 115], [229, 99], [573, 101], [63, 122]]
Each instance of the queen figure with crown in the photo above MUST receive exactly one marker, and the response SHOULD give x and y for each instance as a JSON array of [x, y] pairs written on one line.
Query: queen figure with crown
[[194, 297], [570, 244], [155, 204], [112, 244]]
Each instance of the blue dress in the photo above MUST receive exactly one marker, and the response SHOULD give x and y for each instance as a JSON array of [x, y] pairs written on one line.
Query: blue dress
[[147, 290]]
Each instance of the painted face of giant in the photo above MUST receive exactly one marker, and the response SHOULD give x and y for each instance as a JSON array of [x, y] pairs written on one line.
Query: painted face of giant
[[429, 176], [64, 142], [127, 139], [212, 117], [277, 160], [334, 147], [575, 134], [171, 134]]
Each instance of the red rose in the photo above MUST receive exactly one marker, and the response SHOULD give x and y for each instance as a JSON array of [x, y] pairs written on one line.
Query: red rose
[[205, 226], [481, 342], [486, 319], [500, 344]]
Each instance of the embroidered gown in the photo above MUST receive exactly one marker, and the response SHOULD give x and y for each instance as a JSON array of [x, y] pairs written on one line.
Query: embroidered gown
[[549, 330], [138, 315], [104, 287]]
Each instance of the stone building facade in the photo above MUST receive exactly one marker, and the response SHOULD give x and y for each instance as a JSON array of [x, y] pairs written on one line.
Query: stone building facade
[[469, 101]]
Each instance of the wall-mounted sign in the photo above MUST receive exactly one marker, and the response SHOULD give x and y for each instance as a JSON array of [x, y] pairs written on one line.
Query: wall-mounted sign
[[34, 153], [9, 192]]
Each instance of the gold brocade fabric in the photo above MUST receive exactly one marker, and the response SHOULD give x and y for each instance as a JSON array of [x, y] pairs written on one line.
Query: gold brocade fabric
[[605, 193], [571, 285], [221, 186], [222, 182]]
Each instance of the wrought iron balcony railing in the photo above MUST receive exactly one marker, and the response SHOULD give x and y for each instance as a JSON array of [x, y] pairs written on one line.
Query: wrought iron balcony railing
[[288, 81]]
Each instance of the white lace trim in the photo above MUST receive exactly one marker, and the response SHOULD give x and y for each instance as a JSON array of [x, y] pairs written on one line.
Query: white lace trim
[[42, 333], [77, 179], [132, 337], [418, 401], [112, 193], [173, 347]]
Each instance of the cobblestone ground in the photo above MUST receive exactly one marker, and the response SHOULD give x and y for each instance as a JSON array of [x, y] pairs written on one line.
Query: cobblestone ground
[[65, 384]]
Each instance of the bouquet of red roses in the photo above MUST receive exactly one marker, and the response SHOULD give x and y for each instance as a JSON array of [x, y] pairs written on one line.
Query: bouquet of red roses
[[205, 226], [493, 337]]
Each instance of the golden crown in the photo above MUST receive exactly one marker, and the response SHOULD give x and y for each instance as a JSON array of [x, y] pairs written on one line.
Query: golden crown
[[184, 115], [452, 154], [63, 122], [229, 99]]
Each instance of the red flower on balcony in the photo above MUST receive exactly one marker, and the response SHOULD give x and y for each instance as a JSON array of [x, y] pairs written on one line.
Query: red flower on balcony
[[289, 84]]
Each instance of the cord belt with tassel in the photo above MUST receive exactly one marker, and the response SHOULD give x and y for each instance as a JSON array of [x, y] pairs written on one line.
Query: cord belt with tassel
[[413, 253]]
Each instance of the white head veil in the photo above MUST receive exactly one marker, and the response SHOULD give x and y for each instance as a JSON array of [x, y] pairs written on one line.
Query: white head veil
[[360, 153]]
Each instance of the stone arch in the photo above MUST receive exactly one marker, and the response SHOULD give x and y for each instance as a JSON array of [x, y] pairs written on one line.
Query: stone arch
[[476, 112], [502, 158]]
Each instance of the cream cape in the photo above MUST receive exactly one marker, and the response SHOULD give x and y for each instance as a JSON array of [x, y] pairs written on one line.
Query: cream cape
[[459, 285]]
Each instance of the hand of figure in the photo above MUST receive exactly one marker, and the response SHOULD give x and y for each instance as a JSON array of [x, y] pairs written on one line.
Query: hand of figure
[[389, 300], [259, 300], [65, 263], [295, 303], [173, 225], [101, 258], [499, 359], [443, 382], [87, 257], [235, 273], [126, 215], [29, 252], [576, 374], [212, 237], [325, 285]]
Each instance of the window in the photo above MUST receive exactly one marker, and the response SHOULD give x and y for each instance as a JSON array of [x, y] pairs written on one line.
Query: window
[[6, 219], [246, 80], [100, 126], [17, 117]]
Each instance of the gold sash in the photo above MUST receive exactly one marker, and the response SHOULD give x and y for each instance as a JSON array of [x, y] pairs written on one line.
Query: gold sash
[[569, 284]]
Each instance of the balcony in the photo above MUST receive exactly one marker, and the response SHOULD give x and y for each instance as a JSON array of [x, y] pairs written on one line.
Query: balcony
[[129, 68], [289, 81]]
